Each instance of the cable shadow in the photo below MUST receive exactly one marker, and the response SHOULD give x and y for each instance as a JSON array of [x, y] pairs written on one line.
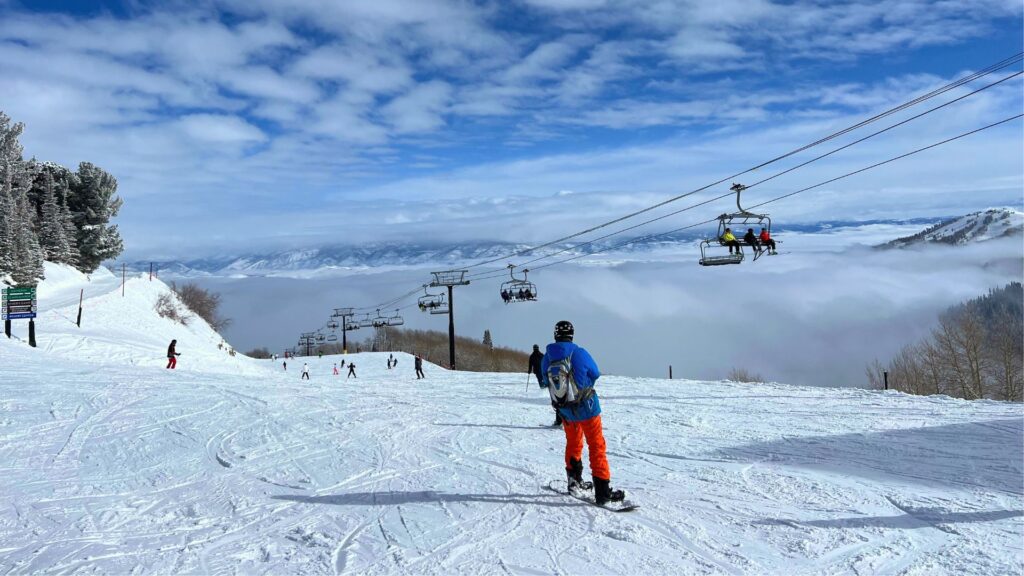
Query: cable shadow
[[427, 497], [914, 520]]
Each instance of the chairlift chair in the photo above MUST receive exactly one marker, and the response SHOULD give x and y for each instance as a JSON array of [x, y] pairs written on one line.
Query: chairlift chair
[[352, 326], [379, 321], [366, 322], [742, 218], [516, 290], [332, 338], [333, 325], [430, 302], [395, 320]]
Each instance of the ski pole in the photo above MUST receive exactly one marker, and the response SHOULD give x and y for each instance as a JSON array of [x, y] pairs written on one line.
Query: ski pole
[[527, 391]]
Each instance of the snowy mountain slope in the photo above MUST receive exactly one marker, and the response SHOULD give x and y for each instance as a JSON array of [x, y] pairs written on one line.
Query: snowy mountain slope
[[120, 329], [232, 465], [976, 227]]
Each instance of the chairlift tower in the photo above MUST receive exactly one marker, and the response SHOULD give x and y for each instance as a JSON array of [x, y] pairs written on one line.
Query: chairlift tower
[[344, 314], [307, 340], [450, 279]]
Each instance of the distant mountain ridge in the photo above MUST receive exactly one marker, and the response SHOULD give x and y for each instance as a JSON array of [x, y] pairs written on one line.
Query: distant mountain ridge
[[414, 254], [975, 227]]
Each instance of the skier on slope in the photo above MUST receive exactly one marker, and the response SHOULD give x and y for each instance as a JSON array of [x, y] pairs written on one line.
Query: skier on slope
[[569, 366], [351, 371], [536, 359], [172, 355], [418, 365], [305, 371]]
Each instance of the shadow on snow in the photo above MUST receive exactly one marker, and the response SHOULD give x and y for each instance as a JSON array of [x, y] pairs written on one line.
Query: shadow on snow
[[428, 496]]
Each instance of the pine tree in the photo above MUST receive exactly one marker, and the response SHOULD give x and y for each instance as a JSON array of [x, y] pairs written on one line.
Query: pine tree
[[52, 233], [28, 256], [487, 339], [7, 217], [93, 203], [70, 255]]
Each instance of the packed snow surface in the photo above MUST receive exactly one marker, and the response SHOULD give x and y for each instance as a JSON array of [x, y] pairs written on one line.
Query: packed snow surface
[[109, 463]]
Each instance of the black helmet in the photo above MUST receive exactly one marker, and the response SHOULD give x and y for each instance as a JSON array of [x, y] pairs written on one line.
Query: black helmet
[[564, 331], [535, 347]]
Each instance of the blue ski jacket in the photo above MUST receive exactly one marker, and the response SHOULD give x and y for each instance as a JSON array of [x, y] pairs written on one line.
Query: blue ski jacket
[[584, 371]]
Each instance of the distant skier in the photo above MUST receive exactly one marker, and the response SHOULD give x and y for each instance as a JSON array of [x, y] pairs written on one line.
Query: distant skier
[[766, 240], [536, 359], [729, 239], [319, 354], [571, 374], [336, 370], [284, 364], [351, 371], [172, 355], [305, 371], [418, 363]]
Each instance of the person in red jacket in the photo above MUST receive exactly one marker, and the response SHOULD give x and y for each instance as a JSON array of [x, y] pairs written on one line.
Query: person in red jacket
[[766, 240]]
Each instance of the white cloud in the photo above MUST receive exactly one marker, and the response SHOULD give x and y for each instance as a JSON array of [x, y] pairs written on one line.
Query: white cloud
[[420, 109], [220, 129]]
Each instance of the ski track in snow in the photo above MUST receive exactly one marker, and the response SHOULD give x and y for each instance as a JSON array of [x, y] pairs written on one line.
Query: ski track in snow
[[231, 466]]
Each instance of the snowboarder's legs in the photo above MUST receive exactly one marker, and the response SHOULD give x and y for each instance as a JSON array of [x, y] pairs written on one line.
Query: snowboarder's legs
[[573, 442], [595, 446], [305, 376], [558, 418], [420, 374], [172, 362]]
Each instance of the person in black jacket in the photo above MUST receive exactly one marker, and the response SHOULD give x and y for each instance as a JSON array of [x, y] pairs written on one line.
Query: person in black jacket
[[172, 355], [535, 361], [751, 240]]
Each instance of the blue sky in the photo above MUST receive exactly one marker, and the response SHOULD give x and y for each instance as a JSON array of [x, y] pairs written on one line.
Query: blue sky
[[236, 125]]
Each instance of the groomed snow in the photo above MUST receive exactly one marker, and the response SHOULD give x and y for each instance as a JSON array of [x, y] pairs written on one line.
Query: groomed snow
[[111, 464]]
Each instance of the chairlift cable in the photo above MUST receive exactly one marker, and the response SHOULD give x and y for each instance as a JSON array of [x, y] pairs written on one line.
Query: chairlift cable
[[938, 91], [783, 172], [784, 196]]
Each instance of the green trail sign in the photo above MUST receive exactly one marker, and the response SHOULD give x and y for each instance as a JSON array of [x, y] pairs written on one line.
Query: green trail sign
[[18, 304]]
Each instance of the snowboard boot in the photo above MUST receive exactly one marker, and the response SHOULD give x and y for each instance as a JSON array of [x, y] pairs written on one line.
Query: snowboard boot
[[575, 476], [603, 492]]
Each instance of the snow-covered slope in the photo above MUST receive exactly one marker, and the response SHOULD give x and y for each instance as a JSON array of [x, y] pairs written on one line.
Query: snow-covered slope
[[235, 466], [975, 227]]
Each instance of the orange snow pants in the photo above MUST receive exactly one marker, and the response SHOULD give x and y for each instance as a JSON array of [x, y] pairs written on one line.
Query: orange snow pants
[[591, 429]]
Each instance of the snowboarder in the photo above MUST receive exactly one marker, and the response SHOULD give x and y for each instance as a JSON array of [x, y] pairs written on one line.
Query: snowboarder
[[351, 371], [419, 367], [305, 371], [335, 369], [536, 359], [172, 355], [766, 240], [569, 366], [730, 240]]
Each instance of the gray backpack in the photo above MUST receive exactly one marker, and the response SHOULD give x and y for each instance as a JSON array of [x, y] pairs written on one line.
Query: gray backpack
[[562, 384]]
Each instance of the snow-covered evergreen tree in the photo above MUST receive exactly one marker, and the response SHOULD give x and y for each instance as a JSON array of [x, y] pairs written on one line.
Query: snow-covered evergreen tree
[[7, 227], [93, 203], [52, 231], [28, 256]]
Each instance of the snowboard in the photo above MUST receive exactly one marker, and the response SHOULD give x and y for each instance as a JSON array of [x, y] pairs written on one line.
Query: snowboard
[[558, 486]]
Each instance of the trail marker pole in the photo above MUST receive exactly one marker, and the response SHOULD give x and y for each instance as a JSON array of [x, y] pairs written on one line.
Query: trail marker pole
[[150, 271], [885, 378], [669, 371], [81, 294], [124, 276], [32, 333]]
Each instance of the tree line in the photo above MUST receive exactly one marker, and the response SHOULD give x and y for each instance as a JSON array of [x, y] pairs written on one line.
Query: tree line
[[473, 355], [975, 352], [50, 212]]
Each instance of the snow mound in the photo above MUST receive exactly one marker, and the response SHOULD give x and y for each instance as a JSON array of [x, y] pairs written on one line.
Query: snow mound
[[123, 329], [976, 227]]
